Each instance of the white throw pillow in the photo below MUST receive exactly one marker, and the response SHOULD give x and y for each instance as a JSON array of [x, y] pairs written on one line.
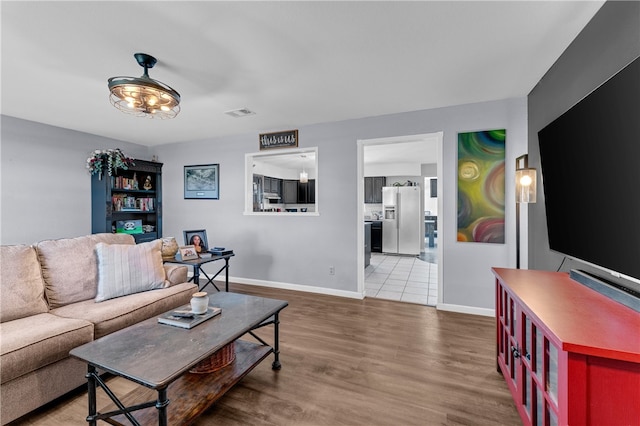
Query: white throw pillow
[[126, 269]]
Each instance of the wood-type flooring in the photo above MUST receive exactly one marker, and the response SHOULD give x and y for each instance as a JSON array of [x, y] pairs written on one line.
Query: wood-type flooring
[[351, 362]]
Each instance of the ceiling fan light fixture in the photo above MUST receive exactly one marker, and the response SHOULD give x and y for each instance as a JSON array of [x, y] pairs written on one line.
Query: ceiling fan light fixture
[[144, 96]]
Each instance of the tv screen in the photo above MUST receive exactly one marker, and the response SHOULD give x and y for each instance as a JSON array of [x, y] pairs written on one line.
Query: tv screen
[[590, 158]]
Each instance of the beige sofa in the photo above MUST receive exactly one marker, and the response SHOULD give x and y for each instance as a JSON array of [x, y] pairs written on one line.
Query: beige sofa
[[48, 306]]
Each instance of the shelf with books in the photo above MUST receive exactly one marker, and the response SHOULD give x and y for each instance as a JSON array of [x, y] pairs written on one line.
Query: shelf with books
[[124, 202], [132, 191], [134, 194]]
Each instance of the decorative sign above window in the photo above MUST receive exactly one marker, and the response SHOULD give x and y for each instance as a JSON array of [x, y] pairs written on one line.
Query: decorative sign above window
[[285, 139]]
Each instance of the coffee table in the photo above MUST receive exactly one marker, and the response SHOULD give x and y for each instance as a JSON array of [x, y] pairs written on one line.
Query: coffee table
[[159, 358]]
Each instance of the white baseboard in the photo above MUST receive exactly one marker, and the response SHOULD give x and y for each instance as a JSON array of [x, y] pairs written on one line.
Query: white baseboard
[[296, 287], [466, 309], [350, 294]]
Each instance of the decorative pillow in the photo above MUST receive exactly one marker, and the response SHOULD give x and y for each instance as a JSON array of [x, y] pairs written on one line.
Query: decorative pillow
[[21, 284], [126, 269], [70, 266]]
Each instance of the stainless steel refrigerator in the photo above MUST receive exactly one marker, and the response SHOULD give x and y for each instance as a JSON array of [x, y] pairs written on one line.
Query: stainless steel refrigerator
[[401, 219]]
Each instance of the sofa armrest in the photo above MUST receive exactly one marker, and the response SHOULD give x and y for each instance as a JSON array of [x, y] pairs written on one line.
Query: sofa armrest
[[176, 274]]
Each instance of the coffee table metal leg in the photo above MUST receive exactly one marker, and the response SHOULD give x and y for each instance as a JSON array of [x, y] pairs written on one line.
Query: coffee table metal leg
[[276, 342], [161, 405], [91, 385]]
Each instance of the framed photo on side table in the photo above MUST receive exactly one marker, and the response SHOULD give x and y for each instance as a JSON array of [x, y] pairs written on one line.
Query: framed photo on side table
[[188, 253], [198, 239], [202, 181]]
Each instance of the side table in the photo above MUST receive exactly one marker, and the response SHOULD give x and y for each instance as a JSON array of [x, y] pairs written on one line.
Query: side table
[[197, 269]]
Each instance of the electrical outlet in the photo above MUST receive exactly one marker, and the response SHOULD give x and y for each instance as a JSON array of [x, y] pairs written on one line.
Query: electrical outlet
[[332, 270]]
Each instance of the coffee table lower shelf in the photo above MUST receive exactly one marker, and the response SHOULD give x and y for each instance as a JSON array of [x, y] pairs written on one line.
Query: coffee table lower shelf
[[192, 394]]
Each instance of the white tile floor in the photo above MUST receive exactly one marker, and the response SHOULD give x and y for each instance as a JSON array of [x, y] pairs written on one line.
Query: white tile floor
[[402, 278]]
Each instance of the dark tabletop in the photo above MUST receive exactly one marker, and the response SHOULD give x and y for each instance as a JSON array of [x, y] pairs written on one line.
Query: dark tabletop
[[154, 354]]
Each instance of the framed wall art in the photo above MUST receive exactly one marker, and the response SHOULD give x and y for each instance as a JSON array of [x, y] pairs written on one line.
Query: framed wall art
[[202, 181], [481, 186]]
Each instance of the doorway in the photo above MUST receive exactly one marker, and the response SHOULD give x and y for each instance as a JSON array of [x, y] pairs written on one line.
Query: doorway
[[412, 279]]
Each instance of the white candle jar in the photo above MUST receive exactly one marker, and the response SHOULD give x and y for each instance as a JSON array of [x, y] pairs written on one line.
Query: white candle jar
[[199, 302]]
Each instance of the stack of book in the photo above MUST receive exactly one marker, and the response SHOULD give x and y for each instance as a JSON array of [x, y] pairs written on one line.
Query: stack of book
[[184, 318], [220, 251]]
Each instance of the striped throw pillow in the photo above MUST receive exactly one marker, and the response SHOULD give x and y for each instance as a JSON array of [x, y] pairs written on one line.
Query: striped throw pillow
[[126, 269]]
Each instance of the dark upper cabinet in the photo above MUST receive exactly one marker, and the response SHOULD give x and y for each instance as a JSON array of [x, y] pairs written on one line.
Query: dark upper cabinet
[[273, 185], [290, 191], [373, 189]]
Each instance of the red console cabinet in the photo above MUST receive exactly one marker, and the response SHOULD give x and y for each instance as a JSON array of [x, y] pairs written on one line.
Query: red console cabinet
[[569, 355]]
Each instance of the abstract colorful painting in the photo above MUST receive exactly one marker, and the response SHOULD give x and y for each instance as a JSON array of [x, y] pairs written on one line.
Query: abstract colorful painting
[[481, 186]]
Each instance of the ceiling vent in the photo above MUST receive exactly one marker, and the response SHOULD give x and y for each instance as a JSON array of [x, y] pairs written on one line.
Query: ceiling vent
[[242, 112]]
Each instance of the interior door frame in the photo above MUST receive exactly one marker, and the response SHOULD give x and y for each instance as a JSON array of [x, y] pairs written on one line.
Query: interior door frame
[[359, 220]]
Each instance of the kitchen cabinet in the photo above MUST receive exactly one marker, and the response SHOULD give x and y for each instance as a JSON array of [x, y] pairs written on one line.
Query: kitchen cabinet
[[569, 355], [273, 185], [373, 189], [376, 236], [307, 192], [295, 192], [290, 191]]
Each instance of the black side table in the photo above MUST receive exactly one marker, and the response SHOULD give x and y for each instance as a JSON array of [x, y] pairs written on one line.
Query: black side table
[[197, 269]]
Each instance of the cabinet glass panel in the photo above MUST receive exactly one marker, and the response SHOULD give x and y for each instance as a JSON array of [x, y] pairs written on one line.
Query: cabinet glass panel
[[507, 350], [507, 319], [552, 420], [539, 407], [526, 391], [552, 372], [539, 353], [512, 317], [527, 338]]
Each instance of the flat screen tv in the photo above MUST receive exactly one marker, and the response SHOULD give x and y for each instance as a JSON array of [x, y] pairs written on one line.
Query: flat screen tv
[[590, 160]]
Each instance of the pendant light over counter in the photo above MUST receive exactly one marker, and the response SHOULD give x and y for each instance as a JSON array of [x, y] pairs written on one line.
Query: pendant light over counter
[[144, 96], [304, 176]]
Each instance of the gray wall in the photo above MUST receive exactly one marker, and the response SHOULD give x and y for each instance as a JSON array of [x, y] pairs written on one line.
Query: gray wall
[[609, 42], [298, 251], [46, 188], [46, 194]]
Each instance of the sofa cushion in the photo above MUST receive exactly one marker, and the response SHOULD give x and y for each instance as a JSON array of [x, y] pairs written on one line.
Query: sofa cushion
[[21, 284], [37, 341], [125, 269], [115, 314], [176, 274], [70, 267]]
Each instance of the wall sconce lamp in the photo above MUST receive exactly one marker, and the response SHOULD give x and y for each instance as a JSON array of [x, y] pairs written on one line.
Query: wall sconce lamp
[[525, 193]]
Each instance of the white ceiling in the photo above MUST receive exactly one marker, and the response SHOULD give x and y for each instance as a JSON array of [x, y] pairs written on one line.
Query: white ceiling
[[293, 63]]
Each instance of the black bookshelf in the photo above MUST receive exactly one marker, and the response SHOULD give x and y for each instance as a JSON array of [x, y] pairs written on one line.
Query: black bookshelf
[[120, 201]]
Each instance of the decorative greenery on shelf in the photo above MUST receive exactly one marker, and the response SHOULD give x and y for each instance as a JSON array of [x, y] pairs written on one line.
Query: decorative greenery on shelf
[[110, 159]]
